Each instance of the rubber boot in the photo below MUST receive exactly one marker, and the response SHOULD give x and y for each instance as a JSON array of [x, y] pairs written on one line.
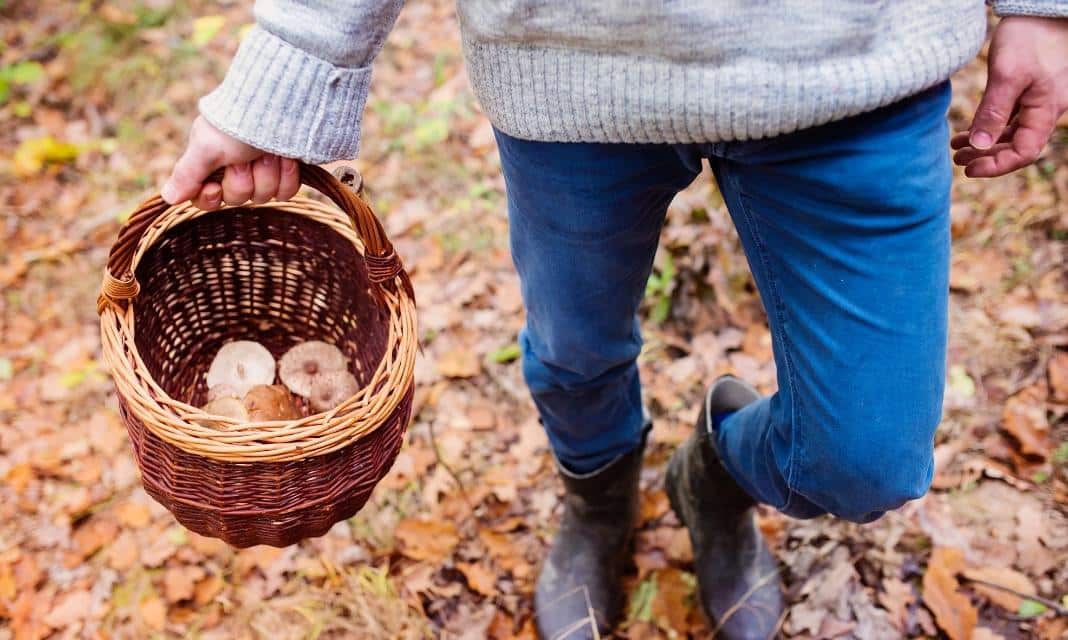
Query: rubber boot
[[579, 594], [737, 576]]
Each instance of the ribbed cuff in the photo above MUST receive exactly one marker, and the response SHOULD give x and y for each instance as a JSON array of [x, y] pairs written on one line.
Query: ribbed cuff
[[278, 98], [1040, 8]]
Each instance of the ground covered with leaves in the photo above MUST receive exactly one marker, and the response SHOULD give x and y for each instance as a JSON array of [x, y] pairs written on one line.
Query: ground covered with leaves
[[95, 99]]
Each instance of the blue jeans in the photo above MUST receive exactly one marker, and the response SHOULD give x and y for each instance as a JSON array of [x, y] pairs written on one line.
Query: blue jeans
[[847, 231]]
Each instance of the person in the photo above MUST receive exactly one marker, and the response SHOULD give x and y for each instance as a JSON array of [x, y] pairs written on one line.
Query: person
[[825, 126]]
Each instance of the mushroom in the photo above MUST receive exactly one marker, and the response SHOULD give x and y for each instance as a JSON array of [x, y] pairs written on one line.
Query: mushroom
[[222, 391], [330, 389], [241, 365], [301, 364], [229, 407], [270, 402]]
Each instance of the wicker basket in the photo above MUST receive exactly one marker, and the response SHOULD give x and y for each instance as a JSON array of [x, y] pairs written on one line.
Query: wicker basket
[[181, 282]]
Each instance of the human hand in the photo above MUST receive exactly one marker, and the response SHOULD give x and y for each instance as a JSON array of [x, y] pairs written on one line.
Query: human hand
[[250, 173], [1026, 91]]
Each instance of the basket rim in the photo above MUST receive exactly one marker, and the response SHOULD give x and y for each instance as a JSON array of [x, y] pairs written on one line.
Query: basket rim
[[195, 431]]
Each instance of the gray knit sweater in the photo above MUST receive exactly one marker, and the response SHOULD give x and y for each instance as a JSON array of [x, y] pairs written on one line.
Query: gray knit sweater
[[607, 70]]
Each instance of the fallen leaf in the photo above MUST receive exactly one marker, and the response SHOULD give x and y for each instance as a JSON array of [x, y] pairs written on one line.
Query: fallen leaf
[[653, 505], [1024, 418], [431, 540], [94, 534], [896, 598], [71, 608], [33, 154], [982, 633], [479, 578], [953, 611], [154, 613], [179, 582], [1004, 577], [206, 590], [459, 363], [205, 28], [673, 599], [1058, 376], [133, 514]]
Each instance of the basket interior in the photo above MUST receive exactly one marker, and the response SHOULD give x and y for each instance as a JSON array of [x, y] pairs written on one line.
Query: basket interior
[[258, 274]]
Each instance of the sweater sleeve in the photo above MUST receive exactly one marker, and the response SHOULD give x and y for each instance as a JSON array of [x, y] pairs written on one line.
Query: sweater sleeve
[[299, 81], [1039, 8]]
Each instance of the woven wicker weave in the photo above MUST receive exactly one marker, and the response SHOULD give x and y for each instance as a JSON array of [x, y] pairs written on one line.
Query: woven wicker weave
[[181, 282]]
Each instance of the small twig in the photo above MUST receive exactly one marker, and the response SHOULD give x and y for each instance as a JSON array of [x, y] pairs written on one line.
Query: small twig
[[1050, 604], [441, 461]]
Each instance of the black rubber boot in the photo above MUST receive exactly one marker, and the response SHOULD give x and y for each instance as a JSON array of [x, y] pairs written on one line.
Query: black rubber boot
[[579, 594], [737, 575]]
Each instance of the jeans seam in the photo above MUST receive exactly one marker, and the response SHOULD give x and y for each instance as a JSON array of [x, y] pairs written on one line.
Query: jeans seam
[[797, 444]]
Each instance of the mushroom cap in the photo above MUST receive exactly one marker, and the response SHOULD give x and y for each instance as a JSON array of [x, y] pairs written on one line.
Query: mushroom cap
[[229, 407], [241, 364], [222, 391], [301, 364], [330, 389], [270, 402]]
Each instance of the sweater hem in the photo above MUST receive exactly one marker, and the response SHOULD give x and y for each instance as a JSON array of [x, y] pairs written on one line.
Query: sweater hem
[[565, 95]]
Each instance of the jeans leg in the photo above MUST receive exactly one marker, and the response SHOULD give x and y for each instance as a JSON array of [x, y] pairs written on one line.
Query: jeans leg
[[846, 228], [584, 221]]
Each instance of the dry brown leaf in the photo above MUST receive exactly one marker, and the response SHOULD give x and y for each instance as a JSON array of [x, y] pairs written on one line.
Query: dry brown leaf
[[982, 633], [7, 583], [70, 608], [1058, 376], [206, 590], [479, 578], [1024, 418], [459, 363], [431, 540], [672, 603], [154, 613], [260, 556], [653, 505], [179, 582], [1031, 525], [94, 534], [1004, 577], [953, 611], [133, 514], [896, 598]]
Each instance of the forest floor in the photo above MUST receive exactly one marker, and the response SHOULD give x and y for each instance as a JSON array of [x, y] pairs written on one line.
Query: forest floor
[[95, 102]]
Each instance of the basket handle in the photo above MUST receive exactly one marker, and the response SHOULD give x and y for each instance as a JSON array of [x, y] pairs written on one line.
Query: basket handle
[[383, 264]]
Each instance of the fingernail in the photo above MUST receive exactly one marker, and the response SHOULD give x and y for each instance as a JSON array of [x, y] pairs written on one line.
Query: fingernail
[[241, 169], [981, 140], [290, 167], [169, 192], [267, 160]]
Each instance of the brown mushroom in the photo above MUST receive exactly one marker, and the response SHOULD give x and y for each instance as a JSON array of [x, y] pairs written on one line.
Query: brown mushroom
[[229, 407], [304, 362], [241, 365], [328, 390], [270, 402]]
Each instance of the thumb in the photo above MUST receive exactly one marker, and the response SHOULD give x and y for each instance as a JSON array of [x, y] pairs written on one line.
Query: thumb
[[189, 173], [992, 116]]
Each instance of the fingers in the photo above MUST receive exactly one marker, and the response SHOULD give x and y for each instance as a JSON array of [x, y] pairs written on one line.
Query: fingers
[[1003, 90], [289, 179], [960, 140], [189, 173], [1031, 130], [265, 178], [237, 185], [209, 198]]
